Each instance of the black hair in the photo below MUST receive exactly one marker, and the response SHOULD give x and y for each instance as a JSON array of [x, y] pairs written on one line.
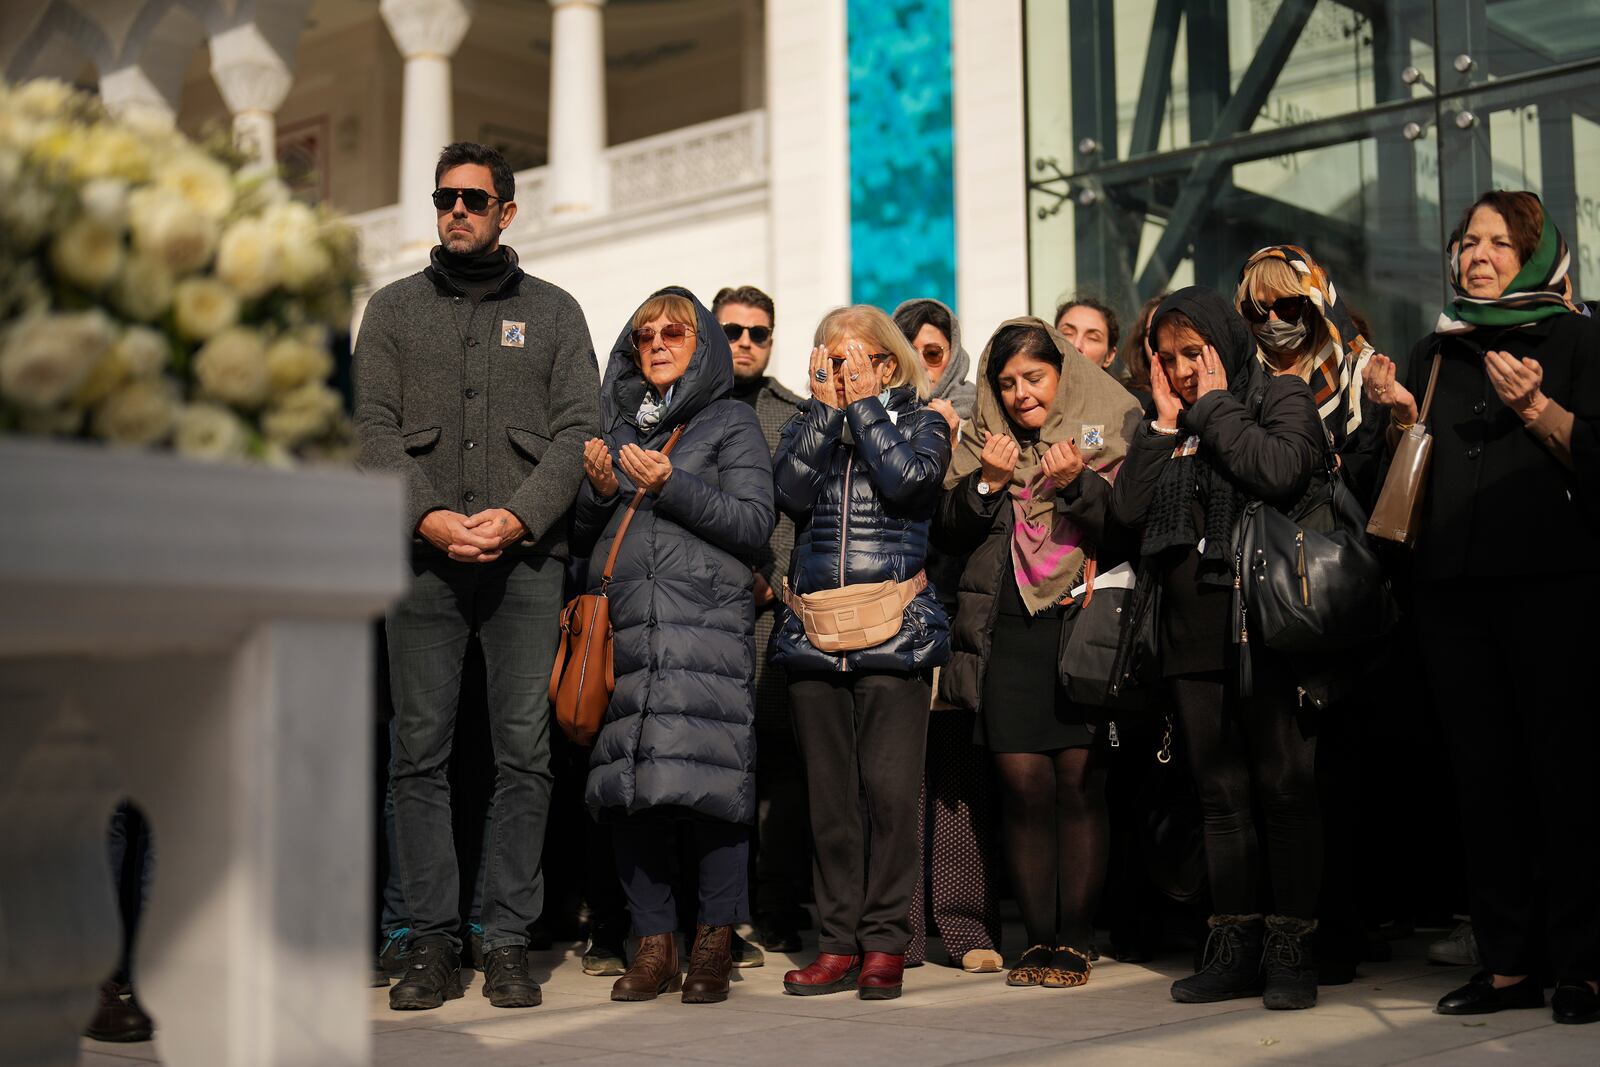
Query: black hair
[[748, 295], [919, 313], [462, 152], [1019, 340], [1113, 326]]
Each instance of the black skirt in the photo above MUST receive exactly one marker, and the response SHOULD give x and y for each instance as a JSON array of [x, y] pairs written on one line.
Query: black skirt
[[1024, 707]]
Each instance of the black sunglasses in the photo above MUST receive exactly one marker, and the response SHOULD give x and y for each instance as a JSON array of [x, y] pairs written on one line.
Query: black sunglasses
[[1287, 308], [477, 200], [877, 358], [759, 335]]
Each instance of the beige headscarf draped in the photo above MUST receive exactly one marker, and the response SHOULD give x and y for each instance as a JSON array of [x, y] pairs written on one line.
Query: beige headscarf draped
[[1089, 406]]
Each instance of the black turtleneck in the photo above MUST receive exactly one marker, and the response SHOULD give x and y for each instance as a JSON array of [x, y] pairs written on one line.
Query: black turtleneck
[[478, 275], [747, 389]]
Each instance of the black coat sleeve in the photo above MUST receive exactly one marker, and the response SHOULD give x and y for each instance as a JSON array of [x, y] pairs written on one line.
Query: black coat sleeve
[[905, 461], [966, 516], [800, 464], [737, 513], [1137, 477], [1273, 456]]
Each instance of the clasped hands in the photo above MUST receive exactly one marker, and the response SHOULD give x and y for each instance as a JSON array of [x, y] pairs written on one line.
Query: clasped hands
[[479, 538], [1062, 462], [1517, 382], [649, 470]]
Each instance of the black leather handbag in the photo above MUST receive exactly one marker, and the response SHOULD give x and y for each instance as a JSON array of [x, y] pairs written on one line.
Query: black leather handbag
[[1092, 669], [1309, 583]]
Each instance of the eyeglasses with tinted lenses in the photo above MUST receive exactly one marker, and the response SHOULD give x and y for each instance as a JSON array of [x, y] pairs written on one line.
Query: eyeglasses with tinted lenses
[[934, 355], [673, 334], [759, 335], [877, 358], [1287, 308], [477, 200]]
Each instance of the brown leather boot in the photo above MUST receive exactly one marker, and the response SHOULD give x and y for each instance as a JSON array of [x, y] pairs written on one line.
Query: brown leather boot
[[709, 965], [654, 970]]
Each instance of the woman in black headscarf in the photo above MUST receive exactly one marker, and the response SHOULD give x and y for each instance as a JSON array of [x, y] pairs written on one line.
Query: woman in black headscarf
[[1227, 432]]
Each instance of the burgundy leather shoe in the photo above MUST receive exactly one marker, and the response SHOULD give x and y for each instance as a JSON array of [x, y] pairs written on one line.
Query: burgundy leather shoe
[[829, 973], [881, 973]]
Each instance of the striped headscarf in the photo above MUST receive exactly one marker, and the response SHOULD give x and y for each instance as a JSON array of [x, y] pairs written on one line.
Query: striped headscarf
[[1336, 377], [1537, 292]]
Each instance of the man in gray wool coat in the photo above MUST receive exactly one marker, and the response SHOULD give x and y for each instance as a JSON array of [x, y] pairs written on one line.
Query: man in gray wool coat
[[478, 384]]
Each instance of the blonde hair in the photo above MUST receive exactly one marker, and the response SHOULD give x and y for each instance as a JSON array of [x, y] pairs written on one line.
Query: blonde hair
[[1270, 278], [878, 330], [676, 309]]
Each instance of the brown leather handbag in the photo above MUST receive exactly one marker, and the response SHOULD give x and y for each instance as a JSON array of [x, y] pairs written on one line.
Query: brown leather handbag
[[584, 675], [1398, 513]]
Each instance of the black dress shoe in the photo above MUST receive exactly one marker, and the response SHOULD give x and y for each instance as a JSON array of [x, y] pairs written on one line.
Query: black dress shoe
[[506, 981], [1480, 997], [778, 938], [116, 1019], [433, 976], [1575, 1002]]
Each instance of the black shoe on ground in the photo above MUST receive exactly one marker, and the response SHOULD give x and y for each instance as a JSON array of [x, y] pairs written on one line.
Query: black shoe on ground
[[1231, 966], [379, 979], [604, 957], [116, 1019], [506, 981], [1575, 1002], [392, 953], [1289, 964], [433, 976], [746, 955], [776, 936], [1480, 997]]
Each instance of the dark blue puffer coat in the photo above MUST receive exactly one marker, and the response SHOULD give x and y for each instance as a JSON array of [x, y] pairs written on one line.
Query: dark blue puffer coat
[[890, 473], [679, 736]]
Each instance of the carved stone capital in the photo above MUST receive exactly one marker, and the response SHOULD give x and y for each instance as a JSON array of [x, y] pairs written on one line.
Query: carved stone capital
[[427, 27], [249, 72]]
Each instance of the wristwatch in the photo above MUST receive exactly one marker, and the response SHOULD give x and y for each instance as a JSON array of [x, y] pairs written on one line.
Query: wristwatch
[[984, 488]]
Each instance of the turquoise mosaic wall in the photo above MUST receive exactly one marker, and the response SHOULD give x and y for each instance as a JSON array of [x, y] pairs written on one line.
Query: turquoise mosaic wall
[[902, 179]]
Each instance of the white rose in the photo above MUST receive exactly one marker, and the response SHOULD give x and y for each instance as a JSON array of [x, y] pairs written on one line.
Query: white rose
[[203, 183], [47, 358], [166, 227], [144, 291], [232, 368], [140, 414], [144, 352], [27, 214], [209, 432], [88, 254], [301, 415], [305, 264], [109, 151], [42, 98], [247, 258], [105, 200], [203, 308], [292, 362]]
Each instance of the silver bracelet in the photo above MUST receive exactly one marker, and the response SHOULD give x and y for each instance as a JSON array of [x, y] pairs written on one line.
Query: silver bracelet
[[1166, 433]]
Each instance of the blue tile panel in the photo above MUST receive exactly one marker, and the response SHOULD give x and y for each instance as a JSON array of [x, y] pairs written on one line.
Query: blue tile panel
[[902, 179]]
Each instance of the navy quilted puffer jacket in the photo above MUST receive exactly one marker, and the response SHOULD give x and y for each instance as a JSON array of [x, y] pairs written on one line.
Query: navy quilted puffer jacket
[[862, 486]]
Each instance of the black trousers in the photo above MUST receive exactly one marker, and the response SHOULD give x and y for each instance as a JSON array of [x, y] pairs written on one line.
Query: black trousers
[[1511, 665], [649, 852], [1249, 753], [864, 735]]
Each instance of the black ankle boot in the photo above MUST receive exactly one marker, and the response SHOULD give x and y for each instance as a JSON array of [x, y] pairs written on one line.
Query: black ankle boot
[[1232, 967], [1289, 964]]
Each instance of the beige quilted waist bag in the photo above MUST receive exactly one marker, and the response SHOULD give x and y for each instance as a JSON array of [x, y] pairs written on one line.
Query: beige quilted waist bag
[[854, 617]]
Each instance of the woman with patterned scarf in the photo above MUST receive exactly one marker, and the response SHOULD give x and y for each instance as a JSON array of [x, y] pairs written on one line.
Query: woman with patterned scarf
[[1508, 559], [1227, 432], [1027, 495]]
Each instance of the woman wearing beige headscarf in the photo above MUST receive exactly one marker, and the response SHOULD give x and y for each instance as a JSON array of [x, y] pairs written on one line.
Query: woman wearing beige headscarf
[[1028, 494]]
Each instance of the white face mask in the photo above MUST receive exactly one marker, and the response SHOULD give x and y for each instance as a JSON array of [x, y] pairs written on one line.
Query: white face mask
[[1280, 336]]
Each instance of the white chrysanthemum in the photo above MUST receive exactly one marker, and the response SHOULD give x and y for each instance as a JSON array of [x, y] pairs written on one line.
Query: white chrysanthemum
[[301, 415], [143, 351], [87, 254], [203, 308], [105, 201], [47, 358], [41, 98], [201, 181], [247, 258], [293, 362], [109, 151], [232, 368], [210, 432], [167, 227], [144, 290], [139, 414]]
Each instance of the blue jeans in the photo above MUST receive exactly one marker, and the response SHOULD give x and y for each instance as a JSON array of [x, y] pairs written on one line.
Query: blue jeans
[[395, 913], [513, 604]]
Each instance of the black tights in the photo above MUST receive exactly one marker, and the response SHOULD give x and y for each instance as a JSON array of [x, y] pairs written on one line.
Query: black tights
[[1244, 753], [1057, 840]]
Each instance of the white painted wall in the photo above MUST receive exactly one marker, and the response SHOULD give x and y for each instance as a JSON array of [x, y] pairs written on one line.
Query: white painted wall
[[990, 167]]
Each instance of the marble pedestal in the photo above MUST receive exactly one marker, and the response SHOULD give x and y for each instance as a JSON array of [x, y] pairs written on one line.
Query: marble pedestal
[[197, 638]]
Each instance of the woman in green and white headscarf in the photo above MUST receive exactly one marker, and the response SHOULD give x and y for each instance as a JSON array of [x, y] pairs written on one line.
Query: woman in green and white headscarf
[[1507, 563]]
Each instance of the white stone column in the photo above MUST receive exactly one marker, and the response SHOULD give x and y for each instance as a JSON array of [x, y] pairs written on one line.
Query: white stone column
[[577, 109], [253, 79], [428, 32], [130, 93]]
